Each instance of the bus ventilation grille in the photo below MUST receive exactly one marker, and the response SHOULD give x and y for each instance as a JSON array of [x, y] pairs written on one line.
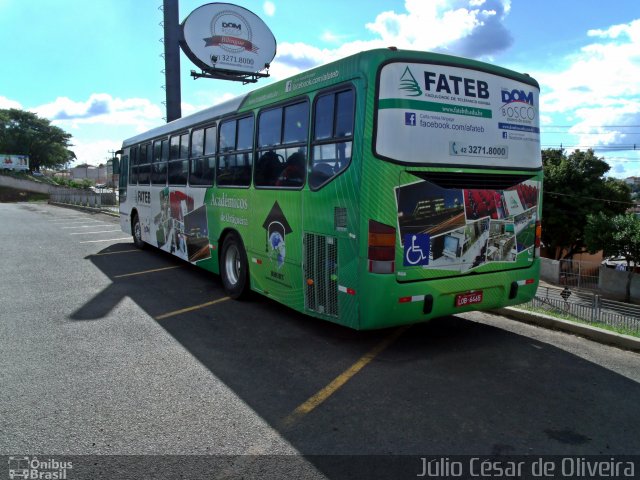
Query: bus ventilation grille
[[340, 219], [321, 274]]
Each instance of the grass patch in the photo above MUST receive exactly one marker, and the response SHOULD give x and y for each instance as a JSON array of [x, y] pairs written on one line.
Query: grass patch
[[8, 195], [565, 316]]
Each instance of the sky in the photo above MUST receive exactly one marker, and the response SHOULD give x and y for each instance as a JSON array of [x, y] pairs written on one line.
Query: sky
[[95, 68]]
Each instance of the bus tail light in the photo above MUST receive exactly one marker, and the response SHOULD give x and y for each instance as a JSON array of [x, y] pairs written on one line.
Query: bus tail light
[[538, 240], [382, 247]]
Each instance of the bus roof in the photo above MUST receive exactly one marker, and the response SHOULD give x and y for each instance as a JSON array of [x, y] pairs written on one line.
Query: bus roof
[[320, 77], [186, 122]]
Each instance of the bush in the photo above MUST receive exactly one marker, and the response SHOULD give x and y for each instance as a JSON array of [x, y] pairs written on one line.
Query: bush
[[67, 182]]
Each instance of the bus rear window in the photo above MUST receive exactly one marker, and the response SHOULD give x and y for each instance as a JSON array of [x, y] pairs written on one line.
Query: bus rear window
[[333, 136]]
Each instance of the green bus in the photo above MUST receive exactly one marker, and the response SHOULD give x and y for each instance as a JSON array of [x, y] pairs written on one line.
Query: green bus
[[386, 188]]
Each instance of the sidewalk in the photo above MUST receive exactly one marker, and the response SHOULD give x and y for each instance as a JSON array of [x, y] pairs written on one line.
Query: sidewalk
[[109, 210], [596, 334]]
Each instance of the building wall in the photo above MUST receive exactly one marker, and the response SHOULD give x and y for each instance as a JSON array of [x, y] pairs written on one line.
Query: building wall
[[97, 174], [611, 283]]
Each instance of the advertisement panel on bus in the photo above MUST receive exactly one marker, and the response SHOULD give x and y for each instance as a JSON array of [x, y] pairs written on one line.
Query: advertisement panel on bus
[[455, 116]]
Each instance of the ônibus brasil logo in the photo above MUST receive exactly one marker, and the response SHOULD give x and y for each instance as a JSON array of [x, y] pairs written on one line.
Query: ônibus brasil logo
[[409, 84]]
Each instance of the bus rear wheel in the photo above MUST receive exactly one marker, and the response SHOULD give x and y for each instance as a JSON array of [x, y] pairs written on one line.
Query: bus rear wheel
[[136, 229], [234, 268]]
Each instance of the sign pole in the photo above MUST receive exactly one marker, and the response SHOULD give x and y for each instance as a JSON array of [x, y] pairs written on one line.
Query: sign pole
[[172, 59]]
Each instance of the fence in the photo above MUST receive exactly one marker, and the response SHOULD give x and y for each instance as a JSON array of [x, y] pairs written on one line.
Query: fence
[[85, 198], [588, 307], [579, 274]]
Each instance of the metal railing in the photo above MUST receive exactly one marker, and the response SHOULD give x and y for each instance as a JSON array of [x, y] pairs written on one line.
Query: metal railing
[[84, 198], [579, 274], [588, 307]]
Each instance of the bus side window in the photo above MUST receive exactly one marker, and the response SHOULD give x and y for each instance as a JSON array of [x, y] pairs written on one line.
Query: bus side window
[[269, 163], [235, 157], [333, 136], [159, 163], [178, 160], [282, 146], [202, 169], [209, 164], [133, 165], [124, 177], [144, 165]]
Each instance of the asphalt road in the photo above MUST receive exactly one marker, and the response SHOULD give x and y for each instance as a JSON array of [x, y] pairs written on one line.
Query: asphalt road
[[106, 350]]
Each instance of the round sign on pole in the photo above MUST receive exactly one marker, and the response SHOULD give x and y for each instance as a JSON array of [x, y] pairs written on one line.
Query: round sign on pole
[[222, 36]]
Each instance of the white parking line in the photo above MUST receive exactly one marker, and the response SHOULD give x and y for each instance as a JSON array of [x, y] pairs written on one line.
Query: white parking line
[[89, 233], [106, 240], [74, 220], [87, 226]]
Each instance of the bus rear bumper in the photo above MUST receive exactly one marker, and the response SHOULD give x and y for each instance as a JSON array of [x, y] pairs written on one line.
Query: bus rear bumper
[[419, 301]]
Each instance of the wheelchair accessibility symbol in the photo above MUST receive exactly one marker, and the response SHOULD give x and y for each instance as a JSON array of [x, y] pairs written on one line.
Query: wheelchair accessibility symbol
[[416, 249]]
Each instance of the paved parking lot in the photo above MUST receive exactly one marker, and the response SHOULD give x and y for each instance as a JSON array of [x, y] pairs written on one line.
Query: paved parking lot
[[109, 350]]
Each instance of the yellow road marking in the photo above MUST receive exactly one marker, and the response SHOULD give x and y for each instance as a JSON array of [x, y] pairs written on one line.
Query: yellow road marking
[[341, 379], [191, 309], [146, 271]]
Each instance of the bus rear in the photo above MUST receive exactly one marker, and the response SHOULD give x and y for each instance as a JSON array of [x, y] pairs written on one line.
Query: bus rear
[[451, 192]]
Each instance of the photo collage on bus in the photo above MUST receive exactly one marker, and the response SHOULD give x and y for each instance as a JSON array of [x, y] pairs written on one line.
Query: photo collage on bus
[[178, 227], [462, 229]]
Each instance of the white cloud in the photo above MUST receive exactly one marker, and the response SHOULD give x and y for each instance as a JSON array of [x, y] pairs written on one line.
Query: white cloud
[[464, 27], [102, 108], [429, 24], [331, 37], [94, 152], [8, 103], [628, 29], [269, 8], [100, 123], [205, 99], [599, 87]]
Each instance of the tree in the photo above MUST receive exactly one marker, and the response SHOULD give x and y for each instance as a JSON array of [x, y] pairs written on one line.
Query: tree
[[617, 235], [574, 187], [24, 133]]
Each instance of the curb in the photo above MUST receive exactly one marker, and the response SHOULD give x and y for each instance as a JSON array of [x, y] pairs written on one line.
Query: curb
[[600, 335], [82, 207]]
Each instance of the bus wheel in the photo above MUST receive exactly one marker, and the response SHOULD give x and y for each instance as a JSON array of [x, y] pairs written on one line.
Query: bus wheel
[[234, 269], [137, 232]]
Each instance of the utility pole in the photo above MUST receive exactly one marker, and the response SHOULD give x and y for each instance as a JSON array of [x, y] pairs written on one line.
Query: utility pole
[[172, 59]]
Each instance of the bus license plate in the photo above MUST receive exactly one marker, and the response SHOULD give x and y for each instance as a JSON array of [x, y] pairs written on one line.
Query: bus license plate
[[470, 298]]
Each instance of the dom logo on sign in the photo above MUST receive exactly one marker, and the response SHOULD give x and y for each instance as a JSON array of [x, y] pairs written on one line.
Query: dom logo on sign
[[517, 105]]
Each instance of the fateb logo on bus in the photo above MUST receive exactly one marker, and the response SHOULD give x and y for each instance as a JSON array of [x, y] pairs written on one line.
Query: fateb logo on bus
[[517, 105]]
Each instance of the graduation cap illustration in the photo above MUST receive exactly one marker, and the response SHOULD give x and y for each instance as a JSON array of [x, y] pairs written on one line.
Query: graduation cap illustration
[[277, 227]]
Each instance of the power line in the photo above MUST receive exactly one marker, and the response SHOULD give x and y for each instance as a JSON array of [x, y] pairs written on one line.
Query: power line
[[622, 147], [593, 126], [623, 159], [589, 198], [589, 133]]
